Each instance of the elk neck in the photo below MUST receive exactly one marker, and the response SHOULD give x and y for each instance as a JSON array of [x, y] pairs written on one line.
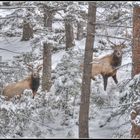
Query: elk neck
[[116, 61], [35, 82]]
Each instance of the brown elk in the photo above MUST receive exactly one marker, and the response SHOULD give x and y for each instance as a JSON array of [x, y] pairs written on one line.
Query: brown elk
[[31, 82], [108, 65]]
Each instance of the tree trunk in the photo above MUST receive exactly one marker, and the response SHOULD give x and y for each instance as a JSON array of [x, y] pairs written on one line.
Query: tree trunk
[[50, 21], [69, 35], [6, 3], [79, 30], [86, 81], [47, 63], [47, 56], [135, 129], [136, 41], [27, 31], [48, 18]]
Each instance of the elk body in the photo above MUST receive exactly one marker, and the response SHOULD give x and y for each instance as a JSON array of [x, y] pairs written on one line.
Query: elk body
[[31, 82], [107, 65]]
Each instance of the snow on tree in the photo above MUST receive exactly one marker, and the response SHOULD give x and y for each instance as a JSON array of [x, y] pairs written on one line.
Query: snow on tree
[[55, 113]]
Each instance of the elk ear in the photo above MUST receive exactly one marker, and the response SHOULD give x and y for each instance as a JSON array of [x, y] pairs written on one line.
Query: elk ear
[[30, 67], [112, 46], [123, 45], [39, 67]]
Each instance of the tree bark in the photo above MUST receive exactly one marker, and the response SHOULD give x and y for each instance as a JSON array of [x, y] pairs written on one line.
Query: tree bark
[[86, 81], [27, 31], [47, 63], [48, 18], [79, 30], [135, 129], [47, 56], [136, 41], [69, 35]]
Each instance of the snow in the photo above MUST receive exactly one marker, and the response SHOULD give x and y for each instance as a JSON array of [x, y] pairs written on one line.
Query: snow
[[56, 58], [13, 44], [5, 12], [102, 123]]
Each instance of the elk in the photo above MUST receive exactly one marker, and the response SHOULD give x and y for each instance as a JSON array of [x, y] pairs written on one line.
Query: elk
[[31, 82], [107, 66]]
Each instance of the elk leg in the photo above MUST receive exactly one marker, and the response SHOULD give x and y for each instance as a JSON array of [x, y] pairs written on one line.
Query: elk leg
[[18, 96], [93, 78], [34, 93], [115, 78], [105, 81]]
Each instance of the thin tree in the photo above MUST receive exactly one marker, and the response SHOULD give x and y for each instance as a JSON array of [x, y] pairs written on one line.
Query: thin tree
[[47, 63], [47, 56], [27, 31], [80, 30], [136, 41], [86, 81], [81, 24], [48, 16], [69, 33]]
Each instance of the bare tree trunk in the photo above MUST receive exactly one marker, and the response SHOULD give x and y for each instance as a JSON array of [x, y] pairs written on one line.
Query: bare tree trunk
[[27, 31], [136, 41], [48, 18], [135, 129], [6, 3], [50, 21], [45, 18], [79, 30], [47, 56], [86, 81], [47, 63], [69, 35]]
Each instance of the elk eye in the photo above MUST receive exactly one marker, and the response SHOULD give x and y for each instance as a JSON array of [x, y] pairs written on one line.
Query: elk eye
[[34, 74]]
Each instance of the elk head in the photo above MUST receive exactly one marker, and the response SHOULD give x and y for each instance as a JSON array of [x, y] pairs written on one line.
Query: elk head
[[35, 79], [35, 71], [118, 49]]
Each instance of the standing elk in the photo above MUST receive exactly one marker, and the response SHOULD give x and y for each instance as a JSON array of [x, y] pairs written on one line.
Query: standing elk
[[31, 82], [107, 66]]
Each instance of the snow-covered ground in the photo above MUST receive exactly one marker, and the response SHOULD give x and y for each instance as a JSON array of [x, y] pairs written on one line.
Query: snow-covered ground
[[18, 47], [13, 44], [56, 58]]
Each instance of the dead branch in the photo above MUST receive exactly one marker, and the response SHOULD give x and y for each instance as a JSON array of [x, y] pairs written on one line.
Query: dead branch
[[112, 36], [16, 7], [10, 51]]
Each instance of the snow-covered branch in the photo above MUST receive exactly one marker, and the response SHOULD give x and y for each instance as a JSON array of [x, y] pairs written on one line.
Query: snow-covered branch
[[16, 7], [111, 25], [122, 105], [112, 36], [10, 51], [8, 17]]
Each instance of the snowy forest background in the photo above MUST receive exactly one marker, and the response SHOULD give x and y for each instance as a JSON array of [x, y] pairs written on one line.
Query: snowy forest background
[[55, 114]]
